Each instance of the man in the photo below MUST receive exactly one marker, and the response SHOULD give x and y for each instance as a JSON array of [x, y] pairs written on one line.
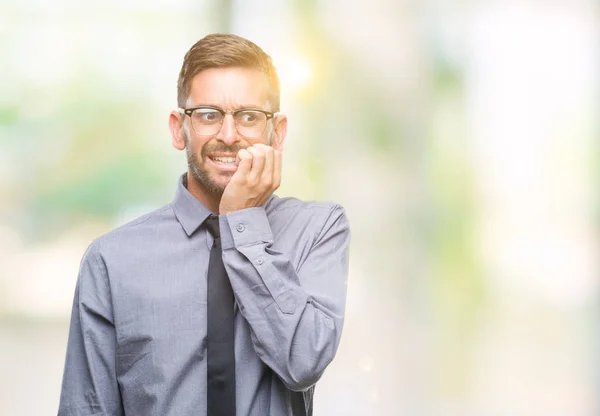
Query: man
[[229, 300]]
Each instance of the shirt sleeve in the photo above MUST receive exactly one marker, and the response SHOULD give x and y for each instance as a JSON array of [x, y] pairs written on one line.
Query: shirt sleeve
[[89, 385], [296, 315]]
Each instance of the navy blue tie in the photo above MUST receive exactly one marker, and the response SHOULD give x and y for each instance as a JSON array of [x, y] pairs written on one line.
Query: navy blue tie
[[220, 340]]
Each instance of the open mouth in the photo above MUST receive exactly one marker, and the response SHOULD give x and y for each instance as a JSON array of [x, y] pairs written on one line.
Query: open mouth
[[224, 162]]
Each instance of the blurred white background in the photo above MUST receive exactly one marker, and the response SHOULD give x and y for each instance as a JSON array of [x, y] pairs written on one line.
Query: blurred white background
[[462, 138]]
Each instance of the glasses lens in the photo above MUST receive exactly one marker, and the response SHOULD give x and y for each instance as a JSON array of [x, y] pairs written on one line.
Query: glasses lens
[[206, 121], [250, 123]]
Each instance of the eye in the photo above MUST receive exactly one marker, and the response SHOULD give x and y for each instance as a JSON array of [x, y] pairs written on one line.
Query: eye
[[249, 116], [207, 116]]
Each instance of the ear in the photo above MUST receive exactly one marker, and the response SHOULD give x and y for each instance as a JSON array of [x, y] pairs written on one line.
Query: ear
[[176, 127], [279, 131]]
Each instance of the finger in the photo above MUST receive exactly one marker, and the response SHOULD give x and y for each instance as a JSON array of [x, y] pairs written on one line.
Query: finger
[[245, 164], [277, 156], [258, 163], [267, 173]]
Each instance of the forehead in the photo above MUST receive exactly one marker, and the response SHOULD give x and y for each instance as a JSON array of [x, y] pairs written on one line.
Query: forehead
[[229, 88]]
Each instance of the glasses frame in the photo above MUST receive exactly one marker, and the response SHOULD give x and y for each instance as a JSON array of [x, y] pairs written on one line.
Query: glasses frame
[[189, 111]]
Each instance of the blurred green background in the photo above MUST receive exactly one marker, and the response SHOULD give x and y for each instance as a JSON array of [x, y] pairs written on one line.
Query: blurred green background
[[461, 137]]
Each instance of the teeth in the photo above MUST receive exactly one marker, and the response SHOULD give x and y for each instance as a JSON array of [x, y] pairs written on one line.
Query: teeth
[[224, 159]]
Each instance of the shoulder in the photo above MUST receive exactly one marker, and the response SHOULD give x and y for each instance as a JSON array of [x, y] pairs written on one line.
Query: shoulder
[[131, 233], [290, 206], [314, 215]]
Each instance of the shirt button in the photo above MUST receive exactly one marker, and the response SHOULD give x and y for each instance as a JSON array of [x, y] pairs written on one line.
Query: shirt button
[[240, 227], [260, 261]]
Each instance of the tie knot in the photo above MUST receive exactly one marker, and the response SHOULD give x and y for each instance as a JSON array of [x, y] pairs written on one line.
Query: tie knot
[[212, 225]]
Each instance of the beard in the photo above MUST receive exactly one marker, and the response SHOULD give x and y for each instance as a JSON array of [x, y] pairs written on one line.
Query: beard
[[198, 169]]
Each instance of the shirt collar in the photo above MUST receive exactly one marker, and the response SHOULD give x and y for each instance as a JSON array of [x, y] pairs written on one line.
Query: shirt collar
[[190, 212]]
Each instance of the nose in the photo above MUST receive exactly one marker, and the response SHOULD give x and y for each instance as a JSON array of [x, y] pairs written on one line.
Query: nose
[[228, 133]]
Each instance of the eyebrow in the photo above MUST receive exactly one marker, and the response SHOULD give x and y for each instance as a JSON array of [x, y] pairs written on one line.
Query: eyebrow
[[235, 108]]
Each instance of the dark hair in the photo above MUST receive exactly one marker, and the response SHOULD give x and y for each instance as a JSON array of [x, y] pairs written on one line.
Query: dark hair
[[223, 51]]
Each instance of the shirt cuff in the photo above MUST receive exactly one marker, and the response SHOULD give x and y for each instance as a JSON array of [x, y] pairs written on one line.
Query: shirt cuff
[[245, 227]]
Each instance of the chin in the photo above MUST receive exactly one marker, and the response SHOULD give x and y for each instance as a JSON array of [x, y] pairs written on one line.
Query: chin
[[220, 181]]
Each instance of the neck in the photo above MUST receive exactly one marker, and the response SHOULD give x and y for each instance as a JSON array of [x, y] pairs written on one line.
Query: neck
[[210, 200]]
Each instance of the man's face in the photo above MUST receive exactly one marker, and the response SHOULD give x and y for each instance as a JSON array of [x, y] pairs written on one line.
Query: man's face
[[210, 157]]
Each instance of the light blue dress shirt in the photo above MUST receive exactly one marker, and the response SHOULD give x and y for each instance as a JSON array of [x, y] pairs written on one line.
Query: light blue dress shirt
[[137, 340]]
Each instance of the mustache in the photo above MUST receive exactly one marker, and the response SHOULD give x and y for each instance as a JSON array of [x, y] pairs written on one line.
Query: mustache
[[221, 147]]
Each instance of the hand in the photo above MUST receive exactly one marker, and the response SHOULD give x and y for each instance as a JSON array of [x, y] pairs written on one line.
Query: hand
[[258, 175]]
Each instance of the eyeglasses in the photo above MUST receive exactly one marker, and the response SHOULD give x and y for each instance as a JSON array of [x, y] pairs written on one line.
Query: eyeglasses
[[207, 120]]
